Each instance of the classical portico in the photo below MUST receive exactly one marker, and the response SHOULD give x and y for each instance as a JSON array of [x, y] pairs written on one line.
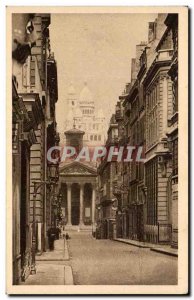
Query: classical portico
[[77, 185]]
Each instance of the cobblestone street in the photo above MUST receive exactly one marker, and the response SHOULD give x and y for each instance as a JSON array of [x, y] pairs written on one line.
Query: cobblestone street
[[108, 262]]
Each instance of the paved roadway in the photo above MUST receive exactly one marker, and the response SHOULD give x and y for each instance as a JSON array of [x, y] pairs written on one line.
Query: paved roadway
[[108, 262]]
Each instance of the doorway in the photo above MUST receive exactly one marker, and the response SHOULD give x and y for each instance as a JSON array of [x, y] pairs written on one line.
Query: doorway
[[75, 203]]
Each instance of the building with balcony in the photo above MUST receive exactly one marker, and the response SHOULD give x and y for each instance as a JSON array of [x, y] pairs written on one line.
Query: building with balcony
[[107, 171], [158, 167], [145, 115], [172, 29], [34, 96]]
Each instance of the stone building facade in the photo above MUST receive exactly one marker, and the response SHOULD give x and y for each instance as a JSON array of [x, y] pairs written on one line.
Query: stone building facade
[[172, 29], [147, 116], [34, 91], [107, 171]]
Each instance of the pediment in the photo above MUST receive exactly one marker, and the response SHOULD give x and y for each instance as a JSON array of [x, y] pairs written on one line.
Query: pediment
[[76, 168]]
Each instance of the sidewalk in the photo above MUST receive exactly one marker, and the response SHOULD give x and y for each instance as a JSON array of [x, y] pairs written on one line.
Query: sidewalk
[[60, 252], [52, 267], [165, 249]]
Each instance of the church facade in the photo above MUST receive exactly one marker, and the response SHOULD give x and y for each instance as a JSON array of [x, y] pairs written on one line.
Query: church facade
[[77, 184]]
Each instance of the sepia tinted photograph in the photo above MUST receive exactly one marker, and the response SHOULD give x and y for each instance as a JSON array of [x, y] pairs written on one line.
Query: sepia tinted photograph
[[97, 122]]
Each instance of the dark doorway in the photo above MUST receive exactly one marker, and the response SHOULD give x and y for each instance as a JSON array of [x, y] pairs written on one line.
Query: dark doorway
[[140, 222], [23, 204], [88, 204], [75, 204], [63, 191]]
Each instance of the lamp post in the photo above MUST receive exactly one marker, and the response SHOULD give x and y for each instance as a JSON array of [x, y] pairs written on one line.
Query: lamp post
[[37, 185], [53, 178]]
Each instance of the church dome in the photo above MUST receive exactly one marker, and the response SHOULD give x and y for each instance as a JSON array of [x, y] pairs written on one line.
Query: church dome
[[85, 95]]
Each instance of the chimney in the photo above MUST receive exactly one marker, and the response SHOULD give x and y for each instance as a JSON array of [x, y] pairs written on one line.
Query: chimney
[[139, 50], [133, 70], [160, 26], [151, 31]]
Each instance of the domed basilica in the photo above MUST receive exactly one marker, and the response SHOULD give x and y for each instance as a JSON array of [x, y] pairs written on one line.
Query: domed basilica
[[82, 115]]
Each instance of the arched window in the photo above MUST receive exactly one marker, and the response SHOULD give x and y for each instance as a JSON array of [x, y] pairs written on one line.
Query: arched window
[[95, 137], [99, 137], [91, 137]]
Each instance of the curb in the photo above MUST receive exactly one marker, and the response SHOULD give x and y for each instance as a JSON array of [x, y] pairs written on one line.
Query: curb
[[131, 243], [163, 251], [54, 259], [152, 248], [68, 276]]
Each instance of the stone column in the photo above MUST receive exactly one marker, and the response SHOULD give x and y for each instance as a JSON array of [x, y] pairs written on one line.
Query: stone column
[[69, 204], [93, 203], [81, 204]]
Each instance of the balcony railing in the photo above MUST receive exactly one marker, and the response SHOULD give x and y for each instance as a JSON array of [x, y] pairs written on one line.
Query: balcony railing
[[163, 55]]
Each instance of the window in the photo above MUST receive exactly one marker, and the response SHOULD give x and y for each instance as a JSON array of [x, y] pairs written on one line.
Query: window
[[151, 122], [152, 191], [91, 137], [99, 138], [175, 95], [175, 157], [72, 103], [95, 137]]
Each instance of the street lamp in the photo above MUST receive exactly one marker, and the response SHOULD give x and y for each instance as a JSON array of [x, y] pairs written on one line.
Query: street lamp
[[37, 185], [53, 175], [53, 171]]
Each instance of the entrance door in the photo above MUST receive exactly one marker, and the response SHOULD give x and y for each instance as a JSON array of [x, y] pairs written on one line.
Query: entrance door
[[75, 204], [140, 222], [23, 210]]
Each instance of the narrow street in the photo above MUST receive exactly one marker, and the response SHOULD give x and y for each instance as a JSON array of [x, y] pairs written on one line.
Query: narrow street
[[106, 262], [87, 261], [95, 147]]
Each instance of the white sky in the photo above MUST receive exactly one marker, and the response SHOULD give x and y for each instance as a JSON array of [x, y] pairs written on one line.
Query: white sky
[[96, 48]]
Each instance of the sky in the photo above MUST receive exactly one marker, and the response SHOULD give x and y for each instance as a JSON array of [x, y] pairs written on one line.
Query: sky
[[96, 48]]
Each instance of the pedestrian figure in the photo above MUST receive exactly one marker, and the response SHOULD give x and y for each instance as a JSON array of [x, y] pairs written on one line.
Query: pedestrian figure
[[67, 236], [51, 238]]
